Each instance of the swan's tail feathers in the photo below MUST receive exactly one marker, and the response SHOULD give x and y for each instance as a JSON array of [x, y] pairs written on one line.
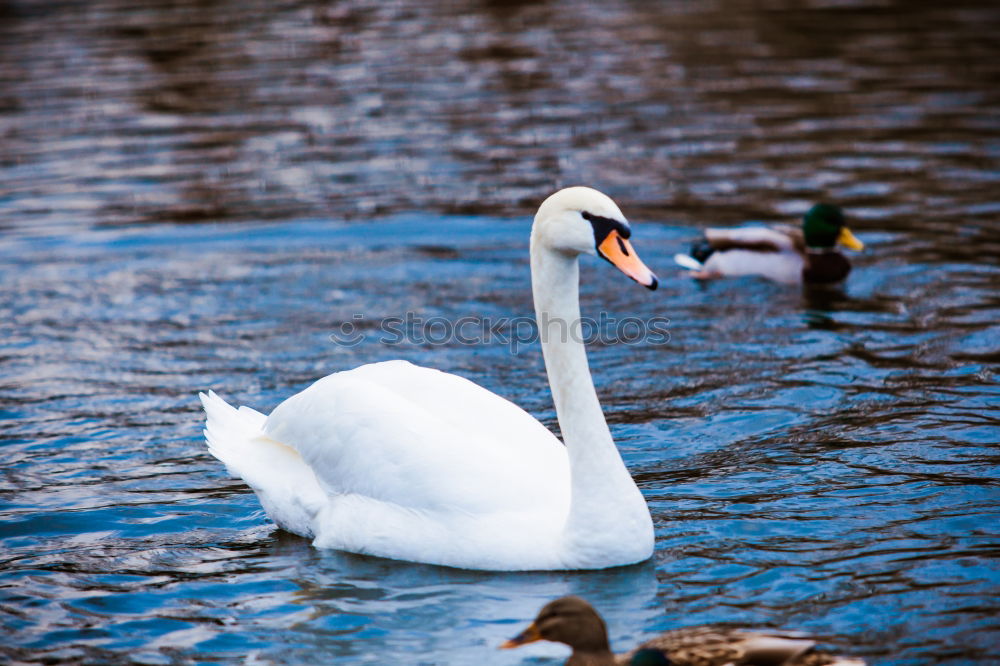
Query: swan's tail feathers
[[688, 262], [228, 430], [284, 482]]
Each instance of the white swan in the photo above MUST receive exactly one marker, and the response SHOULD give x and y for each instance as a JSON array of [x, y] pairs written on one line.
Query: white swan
[[410, 463]]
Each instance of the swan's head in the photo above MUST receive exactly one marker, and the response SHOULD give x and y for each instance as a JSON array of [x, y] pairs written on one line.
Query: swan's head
[[568, 620], [581, 220]]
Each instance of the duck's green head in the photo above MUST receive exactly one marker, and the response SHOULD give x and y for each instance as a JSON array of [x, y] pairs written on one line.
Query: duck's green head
[[824, 227]]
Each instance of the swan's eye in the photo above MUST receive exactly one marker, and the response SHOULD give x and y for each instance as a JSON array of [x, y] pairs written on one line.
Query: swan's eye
[[604, 226]]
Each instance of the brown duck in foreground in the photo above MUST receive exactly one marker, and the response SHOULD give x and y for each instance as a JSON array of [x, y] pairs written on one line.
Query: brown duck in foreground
[[573, 621]]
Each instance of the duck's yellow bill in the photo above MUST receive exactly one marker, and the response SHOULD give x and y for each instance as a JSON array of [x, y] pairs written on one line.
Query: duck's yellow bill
[[529, 635], [849, 240], [619, 252]]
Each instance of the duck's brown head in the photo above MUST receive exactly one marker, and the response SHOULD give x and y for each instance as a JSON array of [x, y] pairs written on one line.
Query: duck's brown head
[[569, 620]]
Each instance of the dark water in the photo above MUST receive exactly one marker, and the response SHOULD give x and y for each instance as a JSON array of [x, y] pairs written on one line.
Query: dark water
[[823, 462]]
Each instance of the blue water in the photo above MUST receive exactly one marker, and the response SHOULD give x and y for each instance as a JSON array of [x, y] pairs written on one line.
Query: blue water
[[825, 463], [202, 195]]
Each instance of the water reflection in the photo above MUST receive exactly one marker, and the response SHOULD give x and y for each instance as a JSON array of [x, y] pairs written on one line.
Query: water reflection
[[396, 608], [119, 113], [820, 461], [821, 301], [836, 479]]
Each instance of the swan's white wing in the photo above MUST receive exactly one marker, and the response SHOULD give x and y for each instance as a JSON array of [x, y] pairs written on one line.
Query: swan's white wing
[[424, 440]]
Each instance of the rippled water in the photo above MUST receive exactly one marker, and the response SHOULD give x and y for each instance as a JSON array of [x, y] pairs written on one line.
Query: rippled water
[[824, 462]]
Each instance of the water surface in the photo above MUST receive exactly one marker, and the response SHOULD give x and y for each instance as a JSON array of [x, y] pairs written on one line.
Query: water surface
[[192, 201]]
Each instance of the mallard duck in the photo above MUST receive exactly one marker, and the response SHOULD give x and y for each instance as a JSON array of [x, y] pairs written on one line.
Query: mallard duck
[[411, 463], [573, 621], [781, 252]]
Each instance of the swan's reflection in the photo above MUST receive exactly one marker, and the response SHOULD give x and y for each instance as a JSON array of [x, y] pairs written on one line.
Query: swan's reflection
[[363, 606]]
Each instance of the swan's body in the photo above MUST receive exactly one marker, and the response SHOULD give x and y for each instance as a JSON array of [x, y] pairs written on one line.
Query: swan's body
[[399, 461], [406, 462], [574, 622], [781, 252]]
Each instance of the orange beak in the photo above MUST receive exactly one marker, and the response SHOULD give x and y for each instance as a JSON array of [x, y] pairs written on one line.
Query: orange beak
[[619, 252], [529, 635]]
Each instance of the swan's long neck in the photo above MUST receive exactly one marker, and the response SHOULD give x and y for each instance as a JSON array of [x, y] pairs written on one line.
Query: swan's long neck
[[604, 498]]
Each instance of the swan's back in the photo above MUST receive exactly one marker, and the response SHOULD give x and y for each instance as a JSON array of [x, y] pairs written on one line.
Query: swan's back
[[423, 439]]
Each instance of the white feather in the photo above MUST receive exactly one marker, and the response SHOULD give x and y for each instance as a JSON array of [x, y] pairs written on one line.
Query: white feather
[[752, 235], [411, 463], [687, 261], [778, 266], [284, 483]]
